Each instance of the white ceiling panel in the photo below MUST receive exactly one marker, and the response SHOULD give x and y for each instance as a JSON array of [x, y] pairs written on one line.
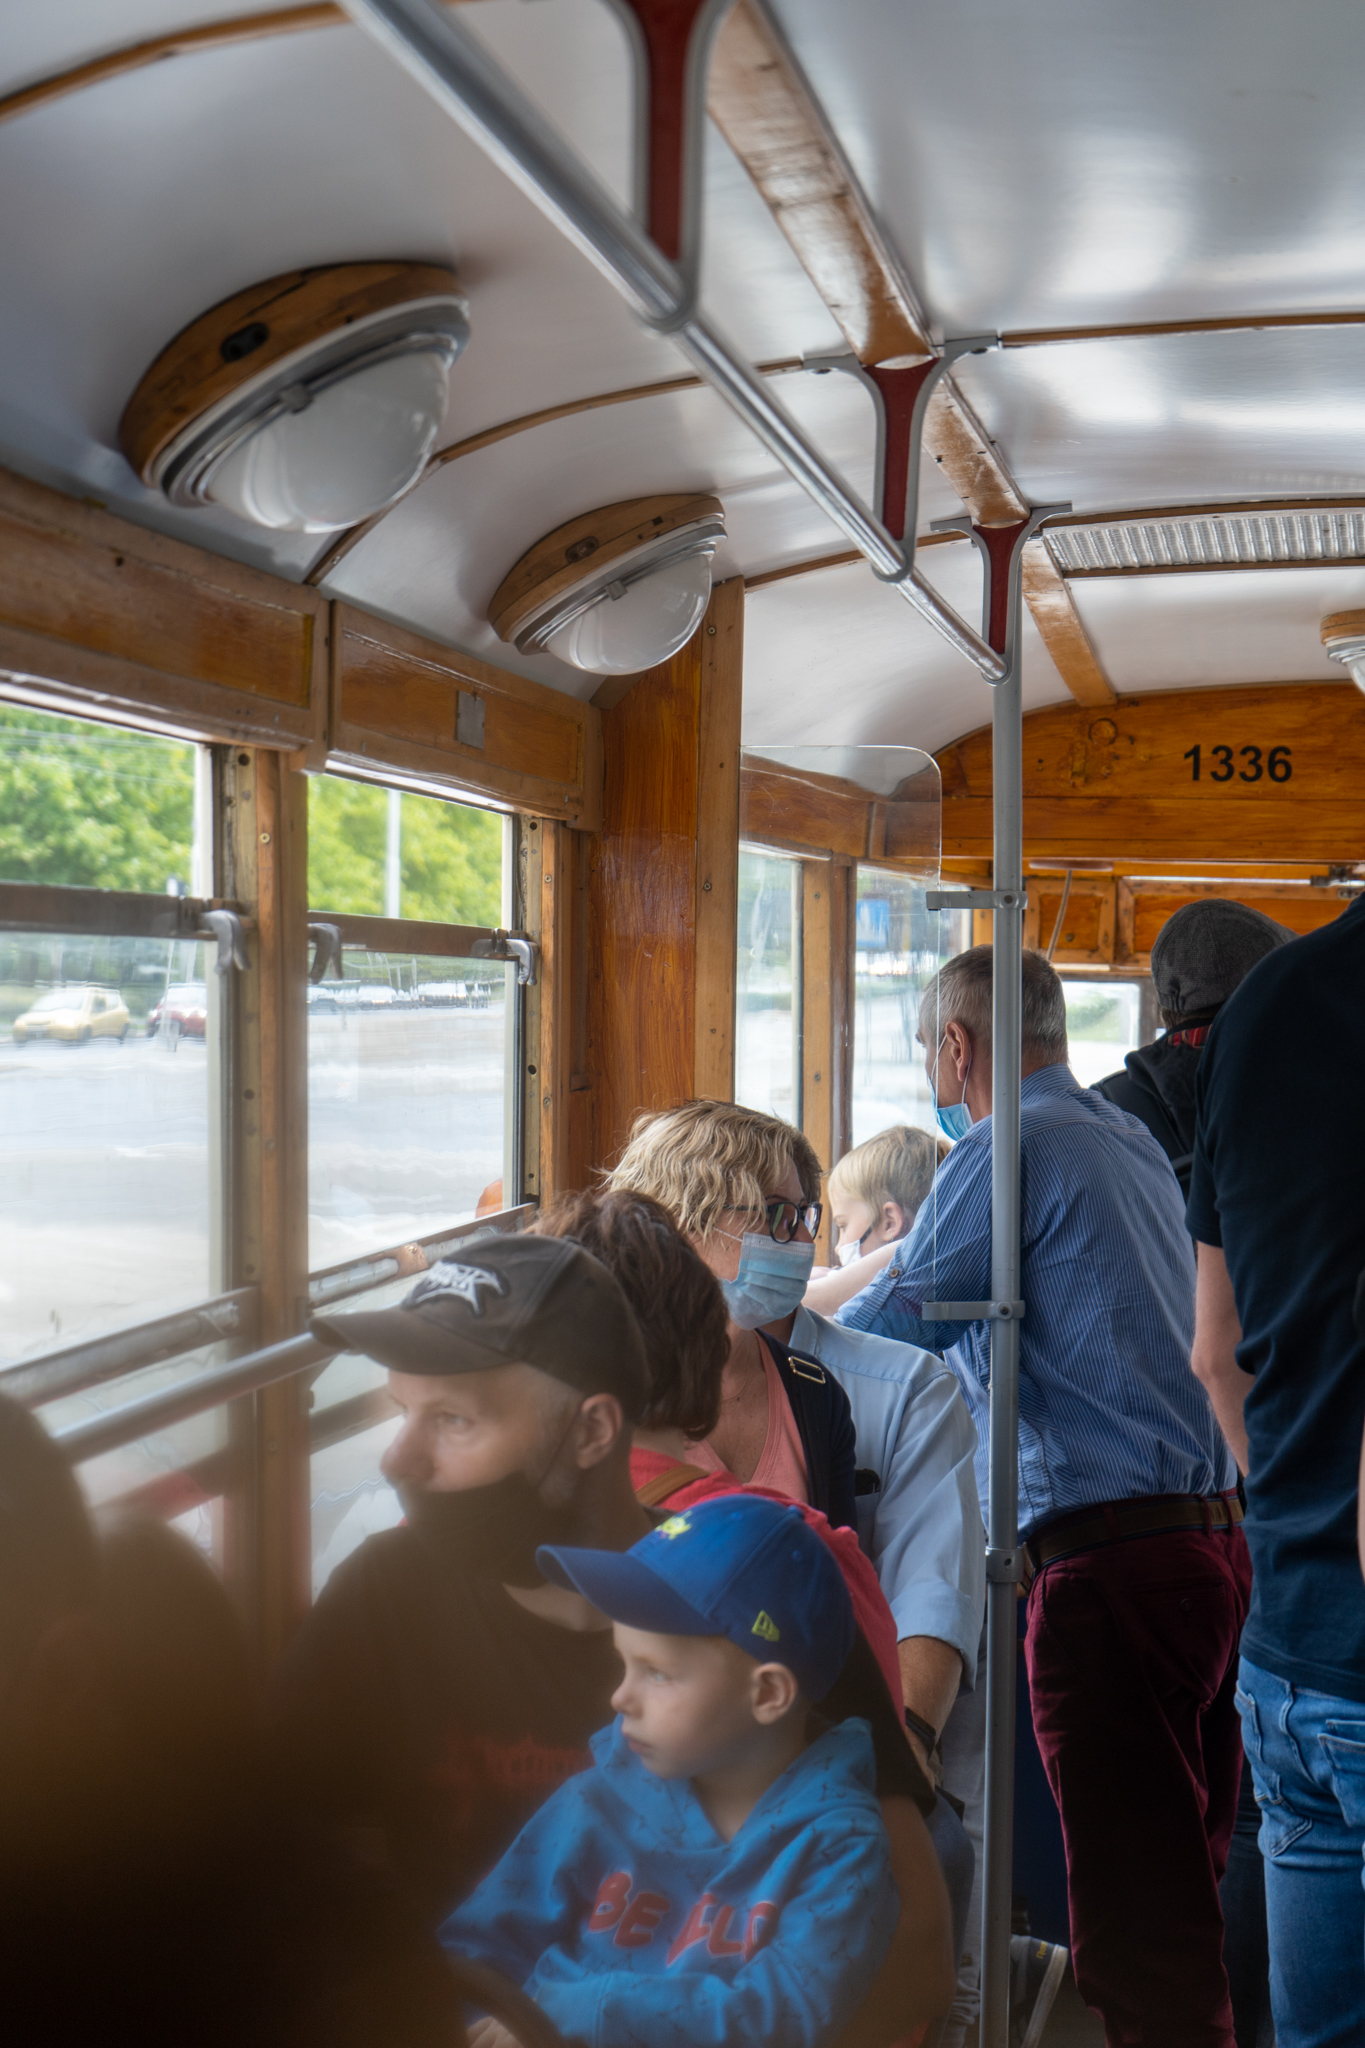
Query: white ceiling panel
[[436, 560], [1193, 630], [44, 37], [1068, 164], [836, 655], [1180, 419]]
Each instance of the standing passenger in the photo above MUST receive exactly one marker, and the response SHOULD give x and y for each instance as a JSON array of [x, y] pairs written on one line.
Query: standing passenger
[[1141, 1574], [1276, 1208], [1200, 955]]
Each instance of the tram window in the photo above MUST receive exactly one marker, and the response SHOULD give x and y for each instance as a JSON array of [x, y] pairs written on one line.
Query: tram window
[[409, 1108], [1103, 1025], [768, 985], [108, 1068], [352, 1421], [181, 1474], [899, 946]]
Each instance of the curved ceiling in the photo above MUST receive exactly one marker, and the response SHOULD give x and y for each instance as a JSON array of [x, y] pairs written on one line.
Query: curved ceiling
[[1056, 166]]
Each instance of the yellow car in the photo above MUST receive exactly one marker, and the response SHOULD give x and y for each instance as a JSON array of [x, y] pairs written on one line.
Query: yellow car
[[73, 1014]]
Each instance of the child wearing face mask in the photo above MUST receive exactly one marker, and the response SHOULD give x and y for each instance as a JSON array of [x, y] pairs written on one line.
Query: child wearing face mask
[[722, 1875], [876, 1190]]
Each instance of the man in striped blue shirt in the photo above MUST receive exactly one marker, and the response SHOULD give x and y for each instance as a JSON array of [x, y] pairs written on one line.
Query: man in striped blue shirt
[[1125, 1499]]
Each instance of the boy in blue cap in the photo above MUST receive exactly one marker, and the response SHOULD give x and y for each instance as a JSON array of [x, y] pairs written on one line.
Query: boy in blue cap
[[722, 1876]]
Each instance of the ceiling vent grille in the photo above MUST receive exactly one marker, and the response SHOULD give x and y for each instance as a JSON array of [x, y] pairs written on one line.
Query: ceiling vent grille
[[1229, 540]]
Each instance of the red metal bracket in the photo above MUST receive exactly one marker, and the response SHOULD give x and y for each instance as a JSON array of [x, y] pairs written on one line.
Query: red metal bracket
[[672, 40]]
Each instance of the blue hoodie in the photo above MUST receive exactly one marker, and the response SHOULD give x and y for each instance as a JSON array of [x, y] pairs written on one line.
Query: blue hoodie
[[630, 1922]]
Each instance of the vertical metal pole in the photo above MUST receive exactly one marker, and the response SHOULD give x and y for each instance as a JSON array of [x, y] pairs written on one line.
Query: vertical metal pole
[[1005, 556], [1007, 730]]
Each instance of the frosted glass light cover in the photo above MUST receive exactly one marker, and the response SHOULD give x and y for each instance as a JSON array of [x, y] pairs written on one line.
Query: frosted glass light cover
[[350, 452], [652, 618]]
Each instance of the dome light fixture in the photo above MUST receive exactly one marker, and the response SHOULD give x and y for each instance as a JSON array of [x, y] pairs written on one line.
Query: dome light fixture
[[1343, 638], [614, 591], [306, 403]]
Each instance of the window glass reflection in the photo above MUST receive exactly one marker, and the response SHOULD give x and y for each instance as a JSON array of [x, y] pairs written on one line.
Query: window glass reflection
[[899, 947], [105, 1200], [768, 985], [407, 1098]]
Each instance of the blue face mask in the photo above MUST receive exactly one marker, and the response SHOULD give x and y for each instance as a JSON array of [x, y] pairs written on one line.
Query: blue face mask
[[770, 1282], [954, 1118]]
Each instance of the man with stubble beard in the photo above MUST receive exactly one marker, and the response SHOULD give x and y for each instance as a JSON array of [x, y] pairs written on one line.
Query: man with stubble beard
[[441, 1690]]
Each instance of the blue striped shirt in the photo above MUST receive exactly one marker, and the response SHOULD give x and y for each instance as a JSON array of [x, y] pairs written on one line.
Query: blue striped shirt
[[1108, 1406]]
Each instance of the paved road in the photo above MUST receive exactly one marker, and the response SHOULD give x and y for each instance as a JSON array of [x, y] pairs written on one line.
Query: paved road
[[105, 1161]]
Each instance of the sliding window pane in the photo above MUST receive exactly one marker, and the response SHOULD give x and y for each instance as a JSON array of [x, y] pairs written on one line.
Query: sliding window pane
[[900, 946], [106, 1207], [407, 1099], [768, 985]]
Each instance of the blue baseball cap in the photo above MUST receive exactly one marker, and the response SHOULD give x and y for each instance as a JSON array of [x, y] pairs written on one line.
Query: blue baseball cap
[[751, 1570]]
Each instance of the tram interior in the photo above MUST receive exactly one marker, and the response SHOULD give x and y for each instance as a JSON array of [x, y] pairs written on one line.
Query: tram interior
[[365, 865]]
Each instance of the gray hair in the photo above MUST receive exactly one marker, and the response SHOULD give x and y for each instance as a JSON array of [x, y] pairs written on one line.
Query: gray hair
[[960, 993]]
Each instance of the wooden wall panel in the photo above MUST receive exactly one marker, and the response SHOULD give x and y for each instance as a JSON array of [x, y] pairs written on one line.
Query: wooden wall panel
[[395, 707], [98, 615], [659, 975], [1087, 933], [1276, 778], [829, 894]]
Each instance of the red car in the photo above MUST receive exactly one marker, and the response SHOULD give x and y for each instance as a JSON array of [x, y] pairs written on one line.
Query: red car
[[183, 1010]]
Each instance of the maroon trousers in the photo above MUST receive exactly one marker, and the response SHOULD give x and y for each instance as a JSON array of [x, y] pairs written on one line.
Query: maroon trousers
[[1132, 1659]]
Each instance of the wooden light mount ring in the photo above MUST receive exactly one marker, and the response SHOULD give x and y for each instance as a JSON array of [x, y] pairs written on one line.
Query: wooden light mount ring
[[584, 546], [1342, 626], [242, 337]]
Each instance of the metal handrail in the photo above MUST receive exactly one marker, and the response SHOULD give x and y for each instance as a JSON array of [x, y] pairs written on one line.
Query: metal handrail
[[473, 89], [227, 1318], [373, 1269], [192, 1397]]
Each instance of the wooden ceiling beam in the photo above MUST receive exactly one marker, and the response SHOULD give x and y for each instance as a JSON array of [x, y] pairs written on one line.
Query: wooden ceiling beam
[[758, 98]]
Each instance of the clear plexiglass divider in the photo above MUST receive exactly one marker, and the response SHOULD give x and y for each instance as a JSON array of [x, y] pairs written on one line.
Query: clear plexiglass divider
[[879, 806]]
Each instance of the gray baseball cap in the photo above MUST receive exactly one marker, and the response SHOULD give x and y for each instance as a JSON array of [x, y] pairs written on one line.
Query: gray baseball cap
[[510, 1299], [1206, 949]]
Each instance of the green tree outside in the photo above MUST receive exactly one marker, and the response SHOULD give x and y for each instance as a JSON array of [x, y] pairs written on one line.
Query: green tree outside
[[92, 806], [451, 854]]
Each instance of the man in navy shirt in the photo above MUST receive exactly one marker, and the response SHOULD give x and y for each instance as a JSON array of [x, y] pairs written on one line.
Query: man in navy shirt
[[1125, 1499], [1276, 1207]]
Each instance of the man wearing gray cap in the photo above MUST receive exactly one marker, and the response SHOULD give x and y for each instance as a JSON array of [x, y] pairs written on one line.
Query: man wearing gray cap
[[1198, 958]]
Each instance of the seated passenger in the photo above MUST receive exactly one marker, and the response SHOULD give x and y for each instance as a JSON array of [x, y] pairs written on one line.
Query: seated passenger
[[440, 1690], [876, 1190], [723, 1874], [915, 1504], [742, 1188]]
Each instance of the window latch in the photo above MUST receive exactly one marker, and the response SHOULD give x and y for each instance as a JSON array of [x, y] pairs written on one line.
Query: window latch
[[510, 946], [327, 939], [226, 927], [976, 899]]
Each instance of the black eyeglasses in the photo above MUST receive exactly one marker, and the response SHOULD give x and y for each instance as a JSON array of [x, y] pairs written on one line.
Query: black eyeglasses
[[786, 1218]]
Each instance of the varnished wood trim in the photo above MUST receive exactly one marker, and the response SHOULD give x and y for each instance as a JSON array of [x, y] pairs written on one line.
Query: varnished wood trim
[[99, 614], [1055, 616], [717, 891], [1239, 323], [758, 98], [341, 545], [395, 716], [184, 42]]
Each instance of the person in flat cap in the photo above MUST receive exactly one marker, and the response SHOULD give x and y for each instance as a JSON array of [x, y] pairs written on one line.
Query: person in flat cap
[[441, 1690], [1199, 957]]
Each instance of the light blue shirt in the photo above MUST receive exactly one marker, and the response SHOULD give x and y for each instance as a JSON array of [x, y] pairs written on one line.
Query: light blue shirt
[[1108, 1406], [922, 1528]]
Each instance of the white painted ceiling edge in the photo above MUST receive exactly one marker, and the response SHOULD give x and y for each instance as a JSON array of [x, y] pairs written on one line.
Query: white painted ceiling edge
[[167, 189]]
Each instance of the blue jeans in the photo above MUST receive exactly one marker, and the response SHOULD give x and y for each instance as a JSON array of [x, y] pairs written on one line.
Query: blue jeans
[[1307, 1755]]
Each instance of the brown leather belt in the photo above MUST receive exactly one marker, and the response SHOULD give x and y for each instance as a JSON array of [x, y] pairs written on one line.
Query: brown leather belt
[[1115, 1521]]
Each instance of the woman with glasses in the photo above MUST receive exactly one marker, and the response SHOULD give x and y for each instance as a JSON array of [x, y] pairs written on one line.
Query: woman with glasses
[[742, 1188]]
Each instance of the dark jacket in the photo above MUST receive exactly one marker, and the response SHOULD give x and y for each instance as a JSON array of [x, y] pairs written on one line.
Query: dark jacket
[[825, 1421], [1157, 1087]]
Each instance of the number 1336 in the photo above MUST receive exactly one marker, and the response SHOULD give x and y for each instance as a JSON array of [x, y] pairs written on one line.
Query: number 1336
[[1277, 765]]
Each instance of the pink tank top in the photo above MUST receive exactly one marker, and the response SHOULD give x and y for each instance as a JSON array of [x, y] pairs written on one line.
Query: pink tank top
[[782, 1465]]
